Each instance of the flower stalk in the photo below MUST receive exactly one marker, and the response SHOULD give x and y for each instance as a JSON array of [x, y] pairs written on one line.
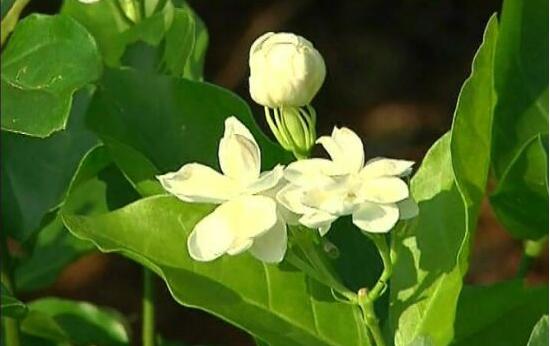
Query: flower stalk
[[148, 309], [366, 299]]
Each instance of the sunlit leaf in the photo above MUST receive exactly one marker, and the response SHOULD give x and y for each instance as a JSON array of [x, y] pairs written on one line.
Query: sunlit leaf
[[432, 249], [276, 303], [539, 336]]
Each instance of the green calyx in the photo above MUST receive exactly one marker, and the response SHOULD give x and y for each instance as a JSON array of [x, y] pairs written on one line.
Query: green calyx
[[294, 128]]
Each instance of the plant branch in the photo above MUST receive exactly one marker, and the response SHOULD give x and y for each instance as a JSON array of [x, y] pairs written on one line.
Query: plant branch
[[11, 325], [10, 20], [148, 309], [366, 298]]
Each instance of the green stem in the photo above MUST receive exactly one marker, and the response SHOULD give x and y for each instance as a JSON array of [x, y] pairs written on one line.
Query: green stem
[[366, 300], [11, 325], [371, 320], [11, 19], [381, 284], [148, 309]]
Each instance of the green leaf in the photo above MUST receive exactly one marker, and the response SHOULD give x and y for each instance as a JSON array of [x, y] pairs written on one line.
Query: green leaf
[[11, 306], [97, 187], [75, 322], [502, 314], [520, 200], [275, 303], [154, 124], [54, 248], [36, 172], [521, 116], [432, 249], [105, 22], [46, 60], [539, 336], [169, 40]]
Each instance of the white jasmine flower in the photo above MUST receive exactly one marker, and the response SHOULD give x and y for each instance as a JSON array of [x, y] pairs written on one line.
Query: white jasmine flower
[[285, 70], [247, 218], [321, 190]]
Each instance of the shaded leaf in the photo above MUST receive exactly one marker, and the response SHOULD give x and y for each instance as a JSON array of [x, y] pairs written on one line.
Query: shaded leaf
[[432, 250], [46, 60], [11, 306], [155, 124], [105, 22], [76, 322], [171, 40], [275, 303], [521, 116], [36, 172], [98, 186], [520, 200], [501, 314]]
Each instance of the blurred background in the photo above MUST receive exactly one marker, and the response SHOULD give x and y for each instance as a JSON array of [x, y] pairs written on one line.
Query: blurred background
[[394, 70]]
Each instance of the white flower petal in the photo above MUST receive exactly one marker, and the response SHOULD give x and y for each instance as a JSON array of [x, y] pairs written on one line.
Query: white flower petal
[[239, 158], [376, 218], [383, 190], [249, 216], [324, 229], [267, 180], [291, 198], [345, 148], [336, 198], [198, 183], [210, 238], [318, 220], [239, 246], [238, 152], [379, 167], [407, 209], [311, 172], [271, 246]]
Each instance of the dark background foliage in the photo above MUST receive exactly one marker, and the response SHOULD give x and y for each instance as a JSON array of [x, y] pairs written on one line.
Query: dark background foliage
[[394, 71]]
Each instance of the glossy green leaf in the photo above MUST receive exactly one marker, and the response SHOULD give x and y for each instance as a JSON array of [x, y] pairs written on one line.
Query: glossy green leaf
[[521, 116], [74, 322], [154, 124], [539, 336], [97, 187], [275, 303], [432, 249], [501, 314], [36, 172], [46, 59], [11, 306]]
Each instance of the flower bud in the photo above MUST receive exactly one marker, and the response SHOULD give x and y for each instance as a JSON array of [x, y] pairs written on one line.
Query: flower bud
[[285, 70]]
